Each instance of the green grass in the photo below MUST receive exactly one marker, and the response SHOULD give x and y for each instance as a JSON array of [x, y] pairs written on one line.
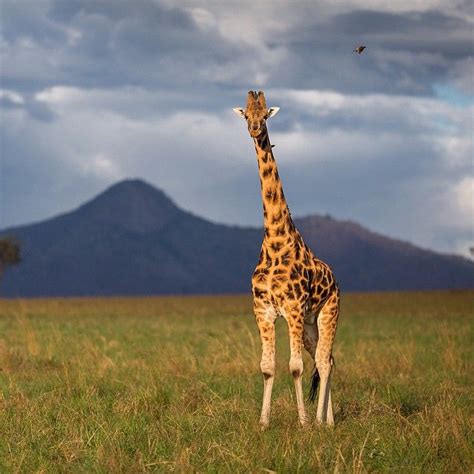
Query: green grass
[[166, 384]]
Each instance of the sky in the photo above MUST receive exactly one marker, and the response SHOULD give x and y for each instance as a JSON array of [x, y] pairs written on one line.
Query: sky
[[96, 91]]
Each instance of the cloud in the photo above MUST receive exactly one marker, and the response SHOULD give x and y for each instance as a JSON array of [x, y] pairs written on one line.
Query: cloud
[[9, 98], [400, 115], [153, 44], [464, 192], [97, 138], [327, 165], [379, 156], [462, 74], [94, 91]]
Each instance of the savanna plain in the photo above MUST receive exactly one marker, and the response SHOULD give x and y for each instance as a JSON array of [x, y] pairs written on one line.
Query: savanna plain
[[173, 384]]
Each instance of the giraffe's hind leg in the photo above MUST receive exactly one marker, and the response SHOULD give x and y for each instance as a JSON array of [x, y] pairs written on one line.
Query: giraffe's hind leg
[[327, 323]]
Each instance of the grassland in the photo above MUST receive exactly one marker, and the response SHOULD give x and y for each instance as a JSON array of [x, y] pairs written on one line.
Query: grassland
[[173, 384]]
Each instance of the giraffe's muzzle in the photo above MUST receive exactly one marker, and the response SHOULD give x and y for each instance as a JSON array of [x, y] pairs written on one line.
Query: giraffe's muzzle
[[255, 130]]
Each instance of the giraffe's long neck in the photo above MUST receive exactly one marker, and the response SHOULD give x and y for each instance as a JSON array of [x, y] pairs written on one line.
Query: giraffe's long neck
[[279, 227]]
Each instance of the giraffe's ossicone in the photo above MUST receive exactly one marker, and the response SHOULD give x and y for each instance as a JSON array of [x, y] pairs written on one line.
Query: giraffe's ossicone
[[289, 281]]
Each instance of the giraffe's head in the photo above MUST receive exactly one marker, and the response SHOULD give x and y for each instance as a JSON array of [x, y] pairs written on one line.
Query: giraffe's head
[[256, 113]]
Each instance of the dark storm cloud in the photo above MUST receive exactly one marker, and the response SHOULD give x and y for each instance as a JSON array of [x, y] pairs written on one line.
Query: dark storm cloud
[[406, 52], [27, 20], [427, 32], [113, 44], [97, 43]]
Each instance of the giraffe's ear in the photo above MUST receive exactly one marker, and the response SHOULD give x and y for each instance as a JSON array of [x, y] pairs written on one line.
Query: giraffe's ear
[[239, 111], [272, 111]]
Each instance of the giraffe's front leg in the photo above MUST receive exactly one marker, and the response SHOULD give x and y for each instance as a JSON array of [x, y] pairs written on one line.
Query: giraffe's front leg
[[266, 326], [295, 320]]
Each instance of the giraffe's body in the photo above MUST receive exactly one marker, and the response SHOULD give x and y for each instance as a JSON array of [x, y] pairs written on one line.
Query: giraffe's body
[[289, 281]]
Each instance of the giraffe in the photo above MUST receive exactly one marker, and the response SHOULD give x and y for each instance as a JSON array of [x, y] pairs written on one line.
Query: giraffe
[[289, 282]]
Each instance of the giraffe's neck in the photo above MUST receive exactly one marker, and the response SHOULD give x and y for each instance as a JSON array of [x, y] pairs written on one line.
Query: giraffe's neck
[[279, 228]]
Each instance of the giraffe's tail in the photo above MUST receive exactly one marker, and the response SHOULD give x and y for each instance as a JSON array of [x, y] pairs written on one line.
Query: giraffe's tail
[[314, 385], [315, 381]]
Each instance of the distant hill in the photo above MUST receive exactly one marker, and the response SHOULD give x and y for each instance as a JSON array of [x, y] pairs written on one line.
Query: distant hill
[[133, 240]]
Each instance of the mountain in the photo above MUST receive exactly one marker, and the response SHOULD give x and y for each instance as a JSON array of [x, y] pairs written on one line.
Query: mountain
[[133, 240]]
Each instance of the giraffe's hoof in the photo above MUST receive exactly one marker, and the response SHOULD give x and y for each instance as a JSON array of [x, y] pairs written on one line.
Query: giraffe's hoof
[[264, 425], [327, 422], [303, 422]]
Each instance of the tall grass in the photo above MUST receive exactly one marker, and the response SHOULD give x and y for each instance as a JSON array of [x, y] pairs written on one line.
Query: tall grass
[[165, 384]]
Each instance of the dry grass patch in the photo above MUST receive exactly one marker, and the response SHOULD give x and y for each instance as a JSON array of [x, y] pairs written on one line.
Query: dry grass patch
[[173, 384]]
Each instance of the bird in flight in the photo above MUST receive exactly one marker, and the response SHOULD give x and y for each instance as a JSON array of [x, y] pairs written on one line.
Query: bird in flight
[[359, 49]]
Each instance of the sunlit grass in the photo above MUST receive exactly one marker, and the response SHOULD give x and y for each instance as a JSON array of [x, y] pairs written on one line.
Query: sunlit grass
[[158, 384]]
